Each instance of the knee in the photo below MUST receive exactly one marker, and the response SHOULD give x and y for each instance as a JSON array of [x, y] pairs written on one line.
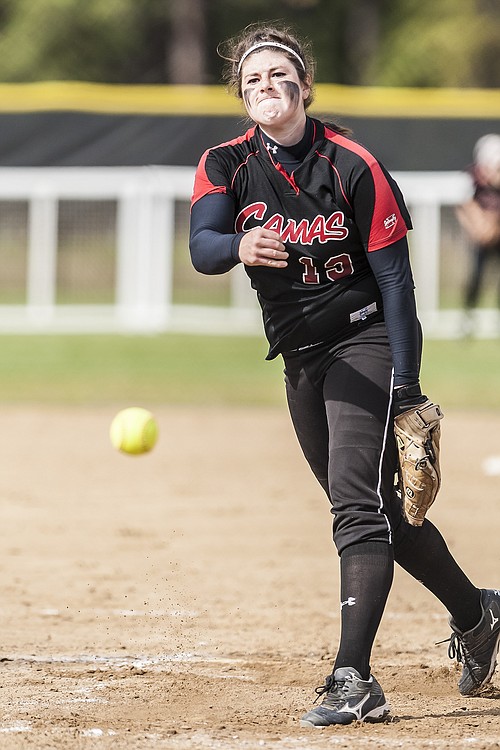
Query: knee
[[356, 527]]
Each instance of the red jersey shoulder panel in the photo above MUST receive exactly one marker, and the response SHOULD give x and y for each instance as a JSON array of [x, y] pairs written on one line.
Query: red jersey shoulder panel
[[203, 185], [388, 224]]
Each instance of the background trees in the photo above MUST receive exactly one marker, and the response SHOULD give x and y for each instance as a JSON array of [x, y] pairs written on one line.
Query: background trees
[[370, 42]]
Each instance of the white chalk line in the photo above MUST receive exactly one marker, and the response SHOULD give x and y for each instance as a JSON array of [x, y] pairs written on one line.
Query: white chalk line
[[85, 694], [118, 662]]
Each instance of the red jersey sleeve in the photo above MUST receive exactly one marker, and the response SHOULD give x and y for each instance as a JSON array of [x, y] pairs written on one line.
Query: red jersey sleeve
[[381, 213], [218, 166], [379, 208], [205, 184]]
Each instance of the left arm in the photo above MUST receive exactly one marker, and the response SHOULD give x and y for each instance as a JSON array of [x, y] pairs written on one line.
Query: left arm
[[416, 418], [392, 271], [383, 221]]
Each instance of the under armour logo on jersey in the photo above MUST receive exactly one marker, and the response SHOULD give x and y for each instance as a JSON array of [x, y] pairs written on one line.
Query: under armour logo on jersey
[[350, 602], [272, 149], [390, 221]]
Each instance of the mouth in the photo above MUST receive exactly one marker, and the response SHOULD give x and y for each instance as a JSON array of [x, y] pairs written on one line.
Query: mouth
[[268, 98]]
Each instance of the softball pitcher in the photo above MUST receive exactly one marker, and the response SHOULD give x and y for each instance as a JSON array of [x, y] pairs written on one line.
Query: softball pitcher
[[320, 227]]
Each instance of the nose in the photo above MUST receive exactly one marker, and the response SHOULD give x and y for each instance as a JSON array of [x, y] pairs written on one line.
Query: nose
[[266, 83]]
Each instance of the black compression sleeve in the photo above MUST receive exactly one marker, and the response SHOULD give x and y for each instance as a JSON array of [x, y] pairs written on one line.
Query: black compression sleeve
[[212, 241], [391, 266]]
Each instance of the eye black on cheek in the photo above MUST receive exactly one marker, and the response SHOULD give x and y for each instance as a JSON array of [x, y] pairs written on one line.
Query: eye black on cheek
[[292, 90], [246, 96]]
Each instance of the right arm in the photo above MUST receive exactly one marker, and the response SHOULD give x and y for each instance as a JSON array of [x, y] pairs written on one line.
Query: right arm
[[212, 241], [214, 246]]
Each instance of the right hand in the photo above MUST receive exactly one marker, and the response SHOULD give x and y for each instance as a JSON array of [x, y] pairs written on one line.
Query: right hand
[[262, 247]]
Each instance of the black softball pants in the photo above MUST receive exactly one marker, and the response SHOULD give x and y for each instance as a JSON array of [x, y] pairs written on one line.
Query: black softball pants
[[340, 398]]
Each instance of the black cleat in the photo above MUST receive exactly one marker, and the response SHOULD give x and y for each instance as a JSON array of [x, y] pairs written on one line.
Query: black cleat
[[348, 698], [477, 649]]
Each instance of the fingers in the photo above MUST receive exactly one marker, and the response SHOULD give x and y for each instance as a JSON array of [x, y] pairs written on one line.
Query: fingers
[[263, 247]]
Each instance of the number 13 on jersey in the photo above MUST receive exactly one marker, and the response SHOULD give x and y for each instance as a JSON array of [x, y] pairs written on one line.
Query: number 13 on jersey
[[336, 268]]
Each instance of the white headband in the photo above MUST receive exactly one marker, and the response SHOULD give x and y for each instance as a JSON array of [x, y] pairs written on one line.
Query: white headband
[[270, 44]]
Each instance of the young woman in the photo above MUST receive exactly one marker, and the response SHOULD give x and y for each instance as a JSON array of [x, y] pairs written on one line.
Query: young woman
[[320, 227]]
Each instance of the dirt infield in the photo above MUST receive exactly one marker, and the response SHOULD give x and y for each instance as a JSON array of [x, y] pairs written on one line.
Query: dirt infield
[[189, 598]]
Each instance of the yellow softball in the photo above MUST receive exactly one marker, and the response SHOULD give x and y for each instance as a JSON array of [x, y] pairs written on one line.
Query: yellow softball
[[134, 430]]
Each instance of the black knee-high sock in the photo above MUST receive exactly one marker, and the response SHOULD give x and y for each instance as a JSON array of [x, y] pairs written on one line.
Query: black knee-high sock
[[423, 553], [366, 572]]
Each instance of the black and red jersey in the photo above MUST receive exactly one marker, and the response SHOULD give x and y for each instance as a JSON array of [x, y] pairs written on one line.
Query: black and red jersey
[[338, 205]]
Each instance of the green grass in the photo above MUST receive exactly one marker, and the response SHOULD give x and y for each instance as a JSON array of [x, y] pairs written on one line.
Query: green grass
[[137, 369], [462, 373], [178, 369]]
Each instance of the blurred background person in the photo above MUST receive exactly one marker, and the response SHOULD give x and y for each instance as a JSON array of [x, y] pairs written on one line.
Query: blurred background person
[[480, 218]]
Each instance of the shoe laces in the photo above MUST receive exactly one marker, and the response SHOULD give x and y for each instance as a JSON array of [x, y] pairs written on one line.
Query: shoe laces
[[457, 649], [331, 687]]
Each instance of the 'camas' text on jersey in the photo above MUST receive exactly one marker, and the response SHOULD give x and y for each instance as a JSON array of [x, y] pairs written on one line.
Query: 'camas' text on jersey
[[303, 231]]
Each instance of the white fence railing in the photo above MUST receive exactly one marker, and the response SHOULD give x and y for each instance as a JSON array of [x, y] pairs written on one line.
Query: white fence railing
[[142, 298]]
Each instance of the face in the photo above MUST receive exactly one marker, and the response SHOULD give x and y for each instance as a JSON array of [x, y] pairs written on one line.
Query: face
[[272, 91]]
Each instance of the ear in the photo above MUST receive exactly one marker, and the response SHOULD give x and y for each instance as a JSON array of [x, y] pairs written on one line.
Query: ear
[[306, 87]]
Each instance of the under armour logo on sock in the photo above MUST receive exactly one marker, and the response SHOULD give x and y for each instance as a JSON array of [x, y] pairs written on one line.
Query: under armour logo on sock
[[351, 601]]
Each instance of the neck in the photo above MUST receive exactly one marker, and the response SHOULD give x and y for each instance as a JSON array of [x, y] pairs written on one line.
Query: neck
[[288, 135]]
